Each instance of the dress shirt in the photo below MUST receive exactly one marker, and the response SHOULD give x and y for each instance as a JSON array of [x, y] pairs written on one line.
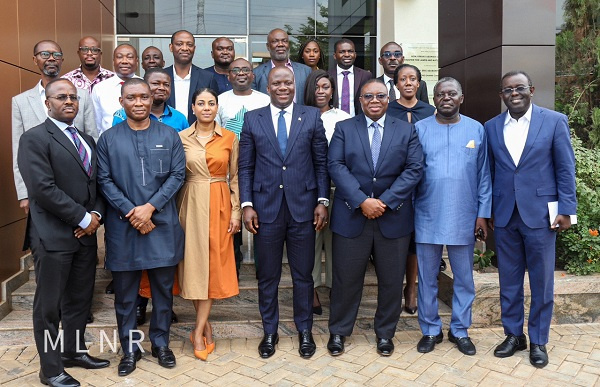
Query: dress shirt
[[332, 117], [87, 218], [340, 82], [386, 80], [372, 130], [515, 134], [105, 97], [287, 117], [78, 78], [182, 91], [42, 92]]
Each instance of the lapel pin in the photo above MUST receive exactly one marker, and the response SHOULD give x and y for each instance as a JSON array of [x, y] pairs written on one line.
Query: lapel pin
[[299, 118]]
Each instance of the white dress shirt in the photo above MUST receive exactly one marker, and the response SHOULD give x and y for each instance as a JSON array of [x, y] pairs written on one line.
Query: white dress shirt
[[105, 96], [182, 91], [287, 117], [515, 134], [386, 80], [372, 130], [42, 92], [340, 83], [332, 117]]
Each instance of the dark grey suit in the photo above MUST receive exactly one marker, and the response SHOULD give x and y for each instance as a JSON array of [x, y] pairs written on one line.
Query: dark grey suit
[[198, 80], [261, 79]]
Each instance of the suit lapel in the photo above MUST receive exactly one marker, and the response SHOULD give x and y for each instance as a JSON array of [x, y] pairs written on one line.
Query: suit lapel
[[500, 134], [535, 125], [194, 75], [363, 134], [36, 105], [386, 140], [267, 127], [295, 127], [65, 142]]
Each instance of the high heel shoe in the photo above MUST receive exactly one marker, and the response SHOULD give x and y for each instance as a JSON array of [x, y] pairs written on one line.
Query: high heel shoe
[[210, 347], [200, 354], [408, 309]]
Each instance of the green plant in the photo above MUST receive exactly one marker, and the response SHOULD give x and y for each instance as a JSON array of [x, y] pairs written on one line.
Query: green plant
[[483, 259]]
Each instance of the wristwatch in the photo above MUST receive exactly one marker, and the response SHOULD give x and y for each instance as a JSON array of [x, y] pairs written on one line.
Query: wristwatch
[[324, 202]]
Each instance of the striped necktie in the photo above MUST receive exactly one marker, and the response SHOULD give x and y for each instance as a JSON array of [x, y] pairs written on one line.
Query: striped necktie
[[83, 155], [375, 144]]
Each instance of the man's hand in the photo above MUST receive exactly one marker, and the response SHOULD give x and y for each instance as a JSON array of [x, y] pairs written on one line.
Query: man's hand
[[321, 217], [140, 215], [235, 226], [250, 218], [24, 204], [561, 223], [147, 227], [481, 223], [490, 223], [372, 208], [90, 229]]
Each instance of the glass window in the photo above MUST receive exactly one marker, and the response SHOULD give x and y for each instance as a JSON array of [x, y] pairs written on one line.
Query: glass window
[[215, 17], [268, 14]]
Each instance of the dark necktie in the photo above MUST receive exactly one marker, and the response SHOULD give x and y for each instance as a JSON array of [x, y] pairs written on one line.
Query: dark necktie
[[282, 132], [392, 93], [346, 92], [83, 155], [375, 144]]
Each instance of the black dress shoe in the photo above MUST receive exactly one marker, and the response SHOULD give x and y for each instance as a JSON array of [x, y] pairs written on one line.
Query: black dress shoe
[[538, 356], [464, 344], [428, 342], [510, 345], [174, 318], [266, 348], [127, 363], [90, 318], [442, 265], [85, 361], [109, 288], [165, 356], [335, 345], [385, 347], [307, 345], [140, 315], [61, 380]]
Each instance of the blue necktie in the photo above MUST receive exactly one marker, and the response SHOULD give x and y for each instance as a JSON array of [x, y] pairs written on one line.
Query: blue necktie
[[282, 132], [375, 144]]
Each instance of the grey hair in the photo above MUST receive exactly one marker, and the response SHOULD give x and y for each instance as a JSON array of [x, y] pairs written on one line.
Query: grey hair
[[448, 79]]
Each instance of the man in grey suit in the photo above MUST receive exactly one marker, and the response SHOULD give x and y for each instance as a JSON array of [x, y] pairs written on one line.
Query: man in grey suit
[[278, 44], [29, 110]]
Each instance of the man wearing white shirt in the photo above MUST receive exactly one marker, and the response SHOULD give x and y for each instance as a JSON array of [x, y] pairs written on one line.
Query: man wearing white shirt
[[532, 164], [105, 95], [349, 78]]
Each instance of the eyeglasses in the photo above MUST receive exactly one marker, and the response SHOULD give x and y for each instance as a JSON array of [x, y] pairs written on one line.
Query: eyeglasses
[[238, 70], [451, 94], [369, 97], [389, 54], [64, 97], [518, 89], [47, 54], [94, 50]]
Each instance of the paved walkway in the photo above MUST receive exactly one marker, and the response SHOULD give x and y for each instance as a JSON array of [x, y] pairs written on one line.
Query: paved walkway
[[574, 352]]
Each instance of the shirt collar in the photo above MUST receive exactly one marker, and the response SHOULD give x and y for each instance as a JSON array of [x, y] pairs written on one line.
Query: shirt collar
[[218, 129], [275, 110], [41, 89], [61, 125], [340, 70], [386, 79], [526, 116], [288, 64], [178, 78], [380, 121]]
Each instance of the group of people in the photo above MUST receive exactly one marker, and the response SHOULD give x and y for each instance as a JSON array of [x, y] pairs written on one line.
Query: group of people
[[185, 156]]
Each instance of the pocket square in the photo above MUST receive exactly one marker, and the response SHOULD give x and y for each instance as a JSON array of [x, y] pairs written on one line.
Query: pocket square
[[471, 144]]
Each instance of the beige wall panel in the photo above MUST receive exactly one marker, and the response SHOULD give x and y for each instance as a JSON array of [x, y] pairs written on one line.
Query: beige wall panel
[[11, 245], [91, 20], [9, 44], [108, 37], [36, 22], [68, 31]]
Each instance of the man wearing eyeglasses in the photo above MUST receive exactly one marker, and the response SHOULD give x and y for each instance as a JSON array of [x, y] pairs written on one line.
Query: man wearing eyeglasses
[[29, 108], [375, 162], [533, 165], [90, 72], [391, 56], [59, 168]]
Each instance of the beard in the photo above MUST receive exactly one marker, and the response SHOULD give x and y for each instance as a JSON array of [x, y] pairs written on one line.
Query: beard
[[51, 73], [91, 66]]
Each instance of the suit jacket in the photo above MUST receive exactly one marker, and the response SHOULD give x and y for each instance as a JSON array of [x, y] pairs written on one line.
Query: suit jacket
[[265, 175], [360, 77], [399, 170], [421, 91], [199, 79], [545, 173], [60, 190], [261, 75], [27, 112]]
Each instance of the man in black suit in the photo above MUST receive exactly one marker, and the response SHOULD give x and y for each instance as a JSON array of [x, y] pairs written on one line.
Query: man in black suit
[[187, 77], [391, 56], [375, 162], [349, 79], [58, 165]]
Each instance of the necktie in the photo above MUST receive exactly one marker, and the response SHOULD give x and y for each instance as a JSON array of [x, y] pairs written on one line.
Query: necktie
[[392, 93], [81, 150], [375, 144], [346, 92], [282, 132]]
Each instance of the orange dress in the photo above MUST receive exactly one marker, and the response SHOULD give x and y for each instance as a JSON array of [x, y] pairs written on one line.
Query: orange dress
[[207, 202]]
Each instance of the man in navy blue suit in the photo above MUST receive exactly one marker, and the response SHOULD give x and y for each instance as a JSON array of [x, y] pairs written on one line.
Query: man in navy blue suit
[[375, 162], [532, 164], [283, 189]]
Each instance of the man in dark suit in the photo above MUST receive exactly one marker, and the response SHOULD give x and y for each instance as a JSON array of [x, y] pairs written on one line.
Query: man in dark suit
[[278, 44], [532, 164], [375, 162], [349, 79], [187, 77], [283, 189], [58, 165]]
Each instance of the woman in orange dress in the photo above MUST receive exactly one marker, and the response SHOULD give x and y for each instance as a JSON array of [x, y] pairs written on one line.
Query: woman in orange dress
[[209, 212]]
